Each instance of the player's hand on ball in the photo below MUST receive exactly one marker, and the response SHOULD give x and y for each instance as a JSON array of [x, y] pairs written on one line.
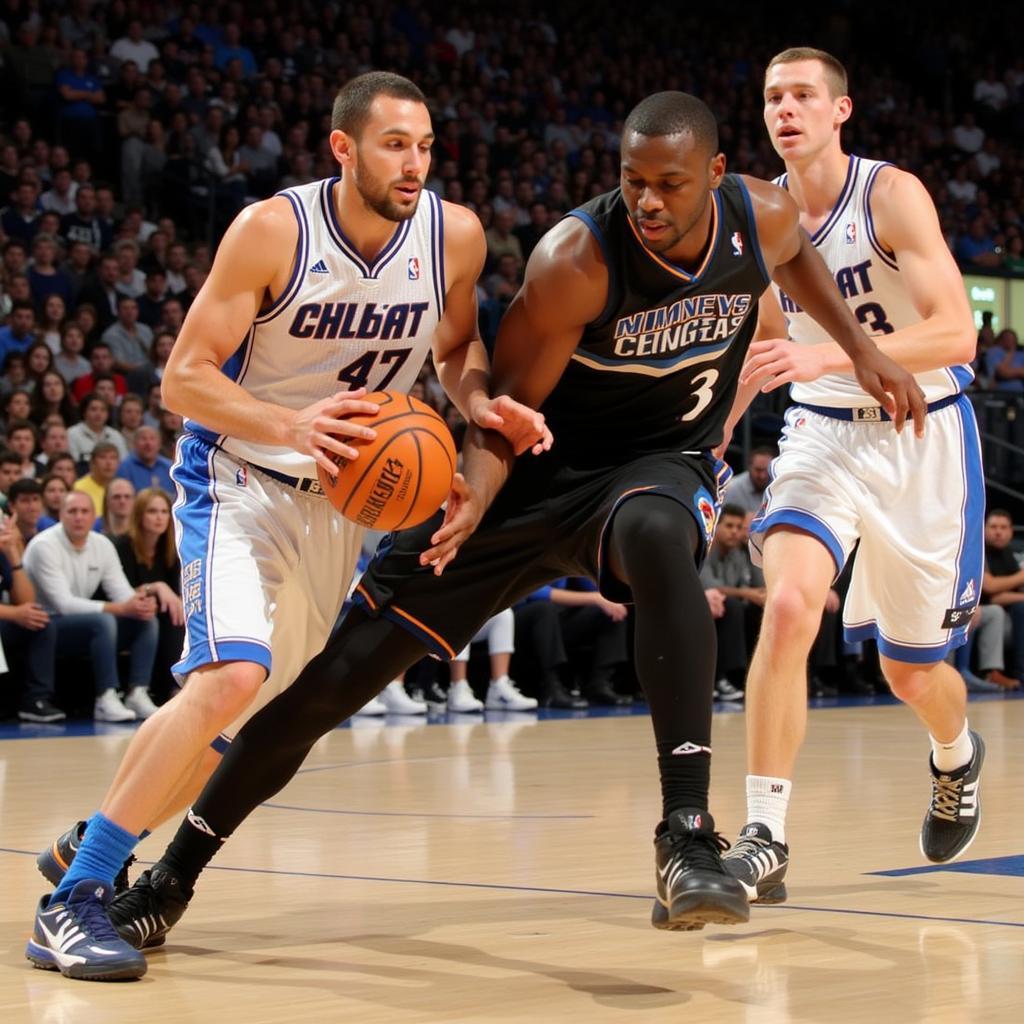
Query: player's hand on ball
[[521, 426], [462, 515], [314, 428]]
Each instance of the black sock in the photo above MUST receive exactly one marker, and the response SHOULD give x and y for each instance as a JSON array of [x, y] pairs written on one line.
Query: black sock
[[191, 849], [653, 541]]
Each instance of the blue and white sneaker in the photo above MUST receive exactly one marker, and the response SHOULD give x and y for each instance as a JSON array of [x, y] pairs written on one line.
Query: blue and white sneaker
[[504, 695], [76, 937]]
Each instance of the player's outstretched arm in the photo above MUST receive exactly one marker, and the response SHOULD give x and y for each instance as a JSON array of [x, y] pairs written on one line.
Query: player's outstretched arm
[[798, 269], [565, 288], [459, 355], [253, 264]]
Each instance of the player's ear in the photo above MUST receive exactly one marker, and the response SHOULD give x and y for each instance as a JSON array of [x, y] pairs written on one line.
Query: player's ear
[[844, 108], [343, 147], [716, 170]]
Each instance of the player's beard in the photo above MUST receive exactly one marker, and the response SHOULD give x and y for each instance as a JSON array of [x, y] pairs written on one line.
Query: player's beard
[[376, 195]]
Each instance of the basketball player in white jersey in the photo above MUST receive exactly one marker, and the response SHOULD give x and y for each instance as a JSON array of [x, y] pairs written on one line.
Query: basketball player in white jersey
[[316, 296], [844, 474]]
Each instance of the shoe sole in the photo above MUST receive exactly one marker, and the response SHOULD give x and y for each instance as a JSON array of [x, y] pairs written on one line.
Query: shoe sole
[[41, 719], [510, 707], [694, 910], [977, 819], [43, 959]]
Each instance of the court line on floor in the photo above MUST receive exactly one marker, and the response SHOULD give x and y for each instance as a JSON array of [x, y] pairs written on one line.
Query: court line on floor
[[425, 814], [494, 886]]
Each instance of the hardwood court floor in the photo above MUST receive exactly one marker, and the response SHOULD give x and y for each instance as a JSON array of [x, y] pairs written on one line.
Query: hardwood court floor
[[503, 872]]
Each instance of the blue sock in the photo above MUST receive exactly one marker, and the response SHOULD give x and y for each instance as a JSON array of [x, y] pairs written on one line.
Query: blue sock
[[105, 847]]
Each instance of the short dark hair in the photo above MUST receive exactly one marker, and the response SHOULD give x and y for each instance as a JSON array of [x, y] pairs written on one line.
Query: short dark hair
[[1000, 513], [675, 113], [26, 485], [835, 73], [100, 344], [7, 457], [352, 104], [23, 425], [732, 510]]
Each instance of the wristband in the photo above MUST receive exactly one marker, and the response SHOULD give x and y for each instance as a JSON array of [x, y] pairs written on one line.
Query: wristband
[[19, 566]]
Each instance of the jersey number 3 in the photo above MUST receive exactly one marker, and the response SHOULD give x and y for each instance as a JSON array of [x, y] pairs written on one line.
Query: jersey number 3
[[703, 383], [357, 373]]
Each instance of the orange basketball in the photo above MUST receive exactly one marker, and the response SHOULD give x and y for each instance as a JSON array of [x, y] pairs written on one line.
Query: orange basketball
[[403, 475]]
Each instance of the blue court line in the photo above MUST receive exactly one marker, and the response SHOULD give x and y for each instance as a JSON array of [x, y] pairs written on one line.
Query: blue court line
[[571, 892], [1011, 865], [419, 814]]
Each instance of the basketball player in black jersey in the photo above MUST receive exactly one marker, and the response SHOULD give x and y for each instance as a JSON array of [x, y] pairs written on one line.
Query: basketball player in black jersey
[[629, 333]]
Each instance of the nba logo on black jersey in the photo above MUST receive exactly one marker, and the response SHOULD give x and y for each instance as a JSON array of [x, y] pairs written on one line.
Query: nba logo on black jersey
[[737, 243], [851, 233], [414, 268]]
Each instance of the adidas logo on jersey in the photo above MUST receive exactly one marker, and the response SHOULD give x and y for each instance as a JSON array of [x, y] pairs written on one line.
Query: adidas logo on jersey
[[319, 268], [967, 596]]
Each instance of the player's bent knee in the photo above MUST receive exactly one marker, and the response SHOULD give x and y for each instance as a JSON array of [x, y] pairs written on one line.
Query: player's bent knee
[[910, 683], [224, 690]]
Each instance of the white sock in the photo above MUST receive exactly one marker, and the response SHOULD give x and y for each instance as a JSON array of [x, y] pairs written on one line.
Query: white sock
[[767, 801], [947, 757]]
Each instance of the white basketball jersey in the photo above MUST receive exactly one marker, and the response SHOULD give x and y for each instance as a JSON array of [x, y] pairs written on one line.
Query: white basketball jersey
[[869, 279], [341, 322]]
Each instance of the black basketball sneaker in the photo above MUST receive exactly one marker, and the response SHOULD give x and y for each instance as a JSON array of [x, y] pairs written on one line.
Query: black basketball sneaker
[[954, 814], [759, 864], [54, 861], [693, 887], [145, 913]]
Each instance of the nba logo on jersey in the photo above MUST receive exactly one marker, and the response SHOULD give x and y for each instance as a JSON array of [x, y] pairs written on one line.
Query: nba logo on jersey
[[737, 243], [851, 233], [242, 476], [414, 268]]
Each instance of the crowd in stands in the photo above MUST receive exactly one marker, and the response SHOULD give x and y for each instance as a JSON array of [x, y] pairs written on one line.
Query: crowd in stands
[[131, 134]]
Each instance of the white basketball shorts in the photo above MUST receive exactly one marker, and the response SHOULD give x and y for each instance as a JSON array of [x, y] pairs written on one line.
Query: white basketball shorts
[[264, 567], [916, 506]]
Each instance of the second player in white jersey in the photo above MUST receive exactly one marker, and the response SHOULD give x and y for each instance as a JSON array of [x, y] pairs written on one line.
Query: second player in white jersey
[[911, 503]]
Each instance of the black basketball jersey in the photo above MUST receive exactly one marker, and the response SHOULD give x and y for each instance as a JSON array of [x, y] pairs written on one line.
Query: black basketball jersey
[[658, 370]]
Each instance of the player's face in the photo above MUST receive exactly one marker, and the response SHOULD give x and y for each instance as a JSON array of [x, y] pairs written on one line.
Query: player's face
[[667, 182], [800, 114], [390, 160]]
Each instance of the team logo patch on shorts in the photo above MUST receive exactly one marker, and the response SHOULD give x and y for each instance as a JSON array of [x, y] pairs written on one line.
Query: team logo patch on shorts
[[707, 514], [957, 617]]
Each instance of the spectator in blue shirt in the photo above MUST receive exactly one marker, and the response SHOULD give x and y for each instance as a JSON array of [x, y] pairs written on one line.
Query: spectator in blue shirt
[[1004, 363], [144, 466], [20, 332], [82, 95], [231, 49]]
